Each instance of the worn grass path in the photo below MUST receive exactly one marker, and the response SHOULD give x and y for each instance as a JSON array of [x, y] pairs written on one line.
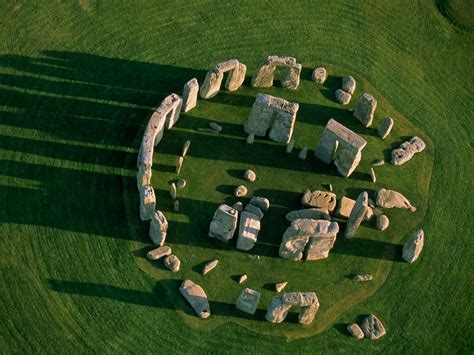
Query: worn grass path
[[79, 80]]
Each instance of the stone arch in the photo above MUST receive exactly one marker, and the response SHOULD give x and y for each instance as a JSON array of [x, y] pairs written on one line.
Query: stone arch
[[265, 73], [213, 81]]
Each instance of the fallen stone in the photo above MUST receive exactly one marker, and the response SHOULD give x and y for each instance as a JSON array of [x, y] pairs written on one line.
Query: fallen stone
[[173, 190], [365, 109], [382, 222], [242, 279], [215, 127], [407, 150], [250, 138], [362, 277], [385, 127], [238, 206], [369, 214], [176, 206], [280, 286], [253, 256], [303, 153], [207, 130], [348, 84], [277, 310], [290, 146], [355, 331], [254, 210], [343, 97], [330, 187], [158, 228], [158, 253], [172, 262], [319, 199], [357, 214], [181, 183], [248, 301], [392, 199], [179, 165], [261, 202], [372, 175], [308, 213], [197, 298], [414, 246], [147, 203], [240, 191], [372, 327], [250, 175], [345, 207], [190, 93], [319, 75], [185, 149], [379, 162], [209, 266], [249, 227], [224, 223]]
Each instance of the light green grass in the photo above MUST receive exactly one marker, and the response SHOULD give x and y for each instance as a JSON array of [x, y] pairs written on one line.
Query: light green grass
[[79, 80]]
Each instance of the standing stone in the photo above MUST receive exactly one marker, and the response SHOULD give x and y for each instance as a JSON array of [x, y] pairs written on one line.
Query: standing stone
[[280, 286], [343, 97], [385, 127], [407, 150], [378, 162], [277, 310], [348, 84], [249, 227], [372, 175], [319, 75], [143, 176], [290, 146], [303, 153], [330, 187], [190, 93], [357, 214], [179, 165], [307, 314], [355, 331], [372, 327], [197, 298], [209, 266], [319, 199], [170, 108], [382, 222], [176, 206], [362, 277], [238, 206], [250, 138], [186, 146], [250, 175], [254, 210], [242, 279], [392, 199], [173, 190], [307, 300], [261, 202], [240, 191], [414, 246], [147, 203], [236, 77], [158, 253], [181, 183], [365, 109], [215, 127], [308, 213], [224, 223], [158, 228], [212, 83], [172, 262], [248, 301], [290, 78]]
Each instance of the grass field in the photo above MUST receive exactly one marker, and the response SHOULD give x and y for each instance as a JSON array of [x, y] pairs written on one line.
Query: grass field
[[79, 81]]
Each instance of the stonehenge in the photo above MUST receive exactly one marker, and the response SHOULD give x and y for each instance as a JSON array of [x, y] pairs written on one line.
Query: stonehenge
[[261, 202], [254, 210], [362, 277], [280, 305], [341, 145], [413, 247], [240, 191], [348, 84], [209, 266], [249, 227], [273, 115], [382, 222], [372, 327], [224, 223], [158, 253], [308, 239], [197, 298], [308, 213], [290, 78], [357, 215], [343, 97], [248, 301], [158, 228], [385, 127], [250, 175], [213, 81], [147, 202], [365, 109], [279, 286], [242, 278], [172, 262], [372, 175], [355, 331], [392, 199], [190, 93], [323, 200], [407, 150], [319, 75]]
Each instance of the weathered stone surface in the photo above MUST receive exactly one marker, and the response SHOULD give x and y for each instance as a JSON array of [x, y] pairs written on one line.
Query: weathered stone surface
[[290, 146], [300, 299], [382, 222], [392, 199], [172, 262], [143, 176], [357, 214], [414, 246], [342, 145], [238, 206], [261, 202], [279, 286], [369, 214], [236, 77], [240, 191], [303, 153], [248, 301], [243, 278], [250, 138], [213, 81], [362, 277], [249, 227], [277, 310], [181, 183], [308, 238], [190, 93], [254, 210], [372, 327], [212, 84], [158, 228], [209, 266], [147, 202], [290, 78], [197, 298], [319, 75], [215, 127], [280, 305], [173, 190], [319, 199], [224, 223], [365, 109], [274, 114], [250, 175], [372, 175], [170, 108], [158, 253], [176, 206], [407, 150], [345, 207], [291, 75], [308, 213], [355, 331], [307, 314], [348, 84], [385, 127], [371, 203], [379, 162], [179, 165], [330, 187], [153, 134], [185, 149], [343, 97]]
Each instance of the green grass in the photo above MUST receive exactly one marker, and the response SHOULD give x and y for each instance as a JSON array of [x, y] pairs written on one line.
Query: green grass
[[78, 82]]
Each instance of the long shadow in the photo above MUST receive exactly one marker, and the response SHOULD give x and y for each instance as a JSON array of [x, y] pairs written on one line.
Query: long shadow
[[368, 248]]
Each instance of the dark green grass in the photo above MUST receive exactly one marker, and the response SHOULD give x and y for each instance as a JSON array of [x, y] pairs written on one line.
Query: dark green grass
[[77, 83]]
